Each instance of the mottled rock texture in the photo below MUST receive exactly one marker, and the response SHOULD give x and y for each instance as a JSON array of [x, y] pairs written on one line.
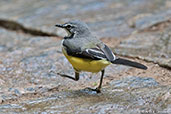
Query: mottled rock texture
[[31, 57]]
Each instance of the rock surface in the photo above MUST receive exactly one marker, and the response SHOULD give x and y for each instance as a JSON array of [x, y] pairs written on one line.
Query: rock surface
[[151, 46], [109, 18], [128, 98], [31, 57]]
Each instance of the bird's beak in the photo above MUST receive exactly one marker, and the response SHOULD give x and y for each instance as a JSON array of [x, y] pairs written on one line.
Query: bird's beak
[[59, 25]]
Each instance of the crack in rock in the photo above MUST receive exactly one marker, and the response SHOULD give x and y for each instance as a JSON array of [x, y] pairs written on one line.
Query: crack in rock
[[15, 26]]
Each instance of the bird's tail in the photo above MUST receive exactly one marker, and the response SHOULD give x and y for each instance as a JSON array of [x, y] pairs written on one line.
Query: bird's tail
[[129, 63]]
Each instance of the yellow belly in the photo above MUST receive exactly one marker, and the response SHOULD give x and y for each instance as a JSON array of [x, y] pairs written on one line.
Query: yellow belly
[[82, 64]]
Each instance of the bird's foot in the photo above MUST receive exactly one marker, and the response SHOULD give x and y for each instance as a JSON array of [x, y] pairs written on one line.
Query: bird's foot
[[97, 90]]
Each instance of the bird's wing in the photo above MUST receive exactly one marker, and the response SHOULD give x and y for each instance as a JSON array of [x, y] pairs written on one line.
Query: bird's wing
[[98, 52], [101, 52], [107, 51], [95, 53]]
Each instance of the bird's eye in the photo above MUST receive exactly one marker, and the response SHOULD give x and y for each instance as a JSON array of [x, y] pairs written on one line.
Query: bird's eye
[[69, 26]]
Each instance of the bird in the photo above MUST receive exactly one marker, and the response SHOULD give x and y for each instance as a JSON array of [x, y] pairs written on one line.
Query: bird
[[88, 53]]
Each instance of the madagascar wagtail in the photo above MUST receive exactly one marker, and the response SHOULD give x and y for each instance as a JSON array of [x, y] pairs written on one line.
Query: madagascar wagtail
[[87, 53]]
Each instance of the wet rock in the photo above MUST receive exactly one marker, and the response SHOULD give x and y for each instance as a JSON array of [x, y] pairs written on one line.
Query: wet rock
[[34, 61], [29, 61], [134, 82], [107, 18], [2, 81], [6, 97], [14, 91], [10, 107], [146, 21], [2, 48], [154, 47], [1, 100], [147, 96], [29, 64], [31, 89]]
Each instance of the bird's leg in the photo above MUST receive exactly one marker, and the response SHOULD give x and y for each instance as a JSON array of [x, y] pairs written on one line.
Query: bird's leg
[[70, 77], [101, 80]]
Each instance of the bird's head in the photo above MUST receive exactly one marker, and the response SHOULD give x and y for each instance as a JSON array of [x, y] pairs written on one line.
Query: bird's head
[[75, 28]]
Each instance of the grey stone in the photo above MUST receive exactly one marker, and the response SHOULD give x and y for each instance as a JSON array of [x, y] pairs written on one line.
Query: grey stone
[[107, 18], [154, 47], [148, 21], [147, 99], [30, 89], [29, 63], [134, 82]]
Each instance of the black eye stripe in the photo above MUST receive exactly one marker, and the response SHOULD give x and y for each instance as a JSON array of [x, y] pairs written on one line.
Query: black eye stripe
[[69, 25]]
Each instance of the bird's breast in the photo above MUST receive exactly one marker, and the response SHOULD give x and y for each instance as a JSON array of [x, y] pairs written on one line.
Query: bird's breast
[[89, 65]]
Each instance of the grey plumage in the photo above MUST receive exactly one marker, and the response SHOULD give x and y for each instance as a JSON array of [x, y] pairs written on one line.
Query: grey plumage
[[81, 43]]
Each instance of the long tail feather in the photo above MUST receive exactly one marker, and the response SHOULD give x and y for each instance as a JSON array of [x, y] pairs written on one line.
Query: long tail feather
[[129, 63]]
